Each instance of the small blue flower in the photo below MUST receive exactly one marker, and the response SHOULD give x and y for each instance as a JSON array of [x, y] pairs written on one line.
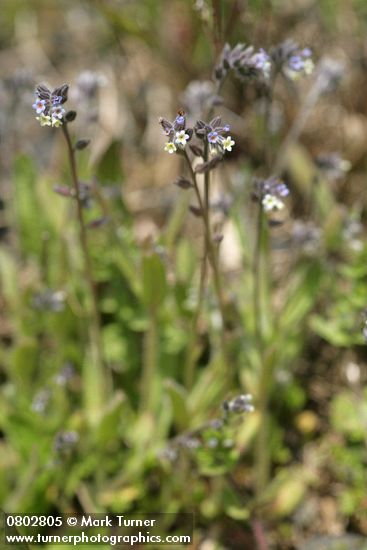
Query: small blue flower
[[306, 52], [262, 62], [296, 63], [56, 100], [213, 137], [299, 62], [282, 190], [58, 112], [39, 106]]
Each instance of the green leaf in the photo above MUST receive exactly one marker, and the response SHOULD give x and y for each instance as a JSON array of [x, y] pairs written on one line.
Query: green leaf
[[107, 430], [349, 415], [154, 281], [178, 397], [109, 169], [29, 213]]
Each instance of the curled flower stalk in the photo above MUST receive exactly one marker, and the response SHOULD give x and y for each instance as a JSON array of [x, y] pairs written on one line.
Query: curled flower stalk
[[48, 106], [215, 143]]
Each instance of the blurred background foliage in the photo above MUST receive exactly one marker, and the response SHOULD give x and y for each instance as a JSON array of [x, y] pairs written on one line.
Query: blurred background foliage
[[150, 444]]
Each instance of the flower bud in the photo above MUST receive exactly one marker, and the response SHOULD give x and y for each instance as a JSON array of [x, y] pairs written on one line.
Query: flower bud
[[81, 144], [70, 116]]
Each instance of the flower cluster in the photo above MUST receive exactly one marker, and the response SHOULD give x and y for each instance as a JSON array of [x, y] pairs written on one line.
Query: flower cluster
[[213, 133], [200, 97], [214, 434], [48, 105], [65, 441], [177, 133], [306, 236], [270, 193], [293, 61], [333, 165], [41, 401], [66, 374], [244, 61], [240, 404], [50, 300]]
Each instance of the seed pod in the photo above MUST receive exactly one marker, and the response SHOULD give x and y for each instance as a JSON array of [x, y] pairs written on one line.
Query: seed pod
[[62, 190], [97, 222], [70, 116], [207, 166], [196, 211], [81, 144], [183, 183]]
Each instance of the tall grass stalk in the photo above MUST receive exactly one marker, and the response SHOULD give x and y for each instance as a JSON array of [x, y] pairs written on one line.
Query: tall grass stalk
[[150, 362]]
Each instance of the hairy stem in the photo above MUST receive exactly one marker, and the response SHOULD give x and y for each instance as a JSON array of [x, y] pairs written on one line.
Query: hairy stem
[[262, 282], [264, 385], [95, 322], [217, 25], [210, 250]]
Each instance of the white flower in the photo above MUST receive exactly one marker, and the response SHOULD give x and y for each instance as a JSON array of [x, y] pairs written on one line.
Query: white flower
[[308, 66], [44, 120], [266, 69], [270, 202], [345, 165], [228, 143], [56, 122], [170, 147], [58, 112], [181, 138]]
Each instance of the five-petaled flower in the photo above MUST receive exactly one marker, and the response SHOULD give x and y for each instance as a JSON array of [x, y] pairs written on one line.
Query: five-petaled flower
[[181, 138], [170, 147], [228, 143], [58, 112], [213, 137], [44, 120], [39, 106], [271, 202]]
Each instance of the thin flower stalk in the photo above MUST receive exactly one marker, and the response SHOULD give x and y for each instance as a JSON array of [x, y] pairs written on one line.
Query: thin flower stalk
[[215, 142], [96, 336], [211, 254], [49, 109]]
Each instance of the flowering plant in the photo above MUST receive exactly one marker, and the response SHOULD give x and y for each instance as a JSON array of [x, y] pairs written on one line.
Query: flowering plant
[[48, 105]]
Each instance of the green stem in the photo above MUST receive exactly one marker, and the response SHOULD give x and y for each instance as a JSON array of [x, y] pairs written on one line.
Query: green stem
[[193, 346], [95, 322], [210, 250], [217, 25], [261, 278], [260, 275]]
